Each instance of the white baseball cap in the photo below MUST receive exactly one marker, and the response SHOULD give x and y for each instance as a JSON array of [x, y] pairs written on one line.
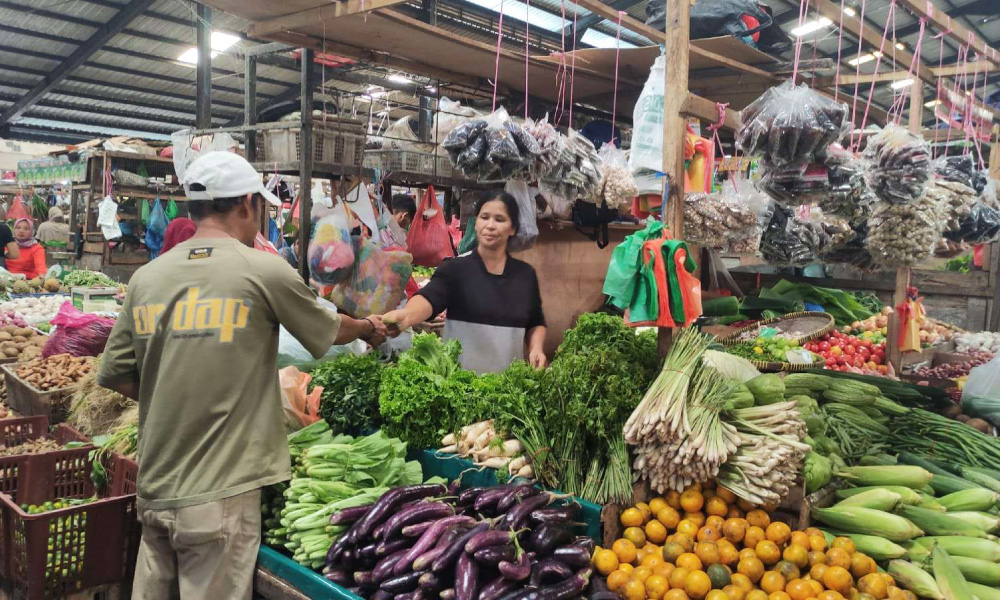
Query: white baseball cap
[[223, 175]]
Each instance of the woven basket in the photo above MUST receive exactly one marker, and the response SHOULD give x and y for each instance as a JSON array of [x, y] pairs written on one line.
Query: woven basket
[[773, 367], [815, 323]]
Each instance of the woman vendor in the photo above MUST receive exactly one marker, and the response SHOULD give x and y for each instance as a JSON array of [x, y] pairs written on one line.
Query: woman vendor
[[31, 261], [493, 301]]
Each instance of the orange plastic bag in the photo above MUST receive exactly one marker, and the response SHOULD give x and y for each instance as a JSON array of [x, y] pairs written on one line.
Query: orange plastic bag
[[690, 288], [17, 210], [301, 406], [429, 240]]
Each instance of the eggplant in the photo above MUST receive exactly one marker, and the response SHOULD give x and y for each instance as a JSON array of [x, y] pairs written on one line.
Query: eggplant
[[492, 555], [487, 500], [349, 515], [544, 571], [377, 532], [560, 514], [349, 558], [598, 584], [518, 570], [522, 593], [568, 588], [421, 512], [425, 560], [466, 578], [448, 594], [496, 588], [380, 595], [401, 584], [426, 541], [430, 583], [548, 536], [384, 507], [417, 529], [383, 570], [367, 552], [516, 494], [455, 486], [339, 576], [586, 542], [414, 595], [487, 539], [364, 577], [468, 496], [450, 555], [572, 556], [517, 516], [385, 548], [605, 595]]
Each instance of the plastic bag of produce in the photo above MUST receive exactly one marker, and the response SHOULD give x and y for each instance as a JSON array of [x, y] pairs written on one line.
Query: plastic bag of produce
[[981, 393], [301, 406], [647, 119], [331, 254], [527, 229], [960, 169], [156, 229], [780, 246], [900, 165], [980, 225], [78, 333], [377, 284], [618, 187], [791, 124], [469, 240], [428, 239], [292, 353], [905, 234]]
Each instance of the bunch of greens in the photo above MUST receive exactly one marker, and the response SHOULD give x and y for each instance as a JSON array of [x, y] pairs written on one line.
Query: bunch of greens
[[960, 264], [349, 402], [601, 330], [841, 305], [85, 278], [870, 301]]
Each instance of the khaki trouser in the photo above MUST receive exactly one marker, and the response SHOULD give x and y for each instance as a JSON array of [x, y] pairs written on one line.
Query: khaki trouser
[[201, 552]]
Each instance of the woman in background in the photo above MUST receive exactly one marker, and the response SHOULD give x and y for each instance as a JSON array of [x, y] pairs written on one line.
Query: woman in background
[[179, 230], [55, 229], [31, 260]]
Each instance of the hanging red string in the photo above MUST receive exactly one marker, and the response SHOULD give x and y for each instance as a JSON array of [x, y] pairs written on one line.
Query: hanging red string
[[912, 71], [857, 65], [878, 61], [561, 71], [572, 71], [614, 101], [720, 108], [940, 37], [840, 43], [527, 32], [803, 10], [496, 68]]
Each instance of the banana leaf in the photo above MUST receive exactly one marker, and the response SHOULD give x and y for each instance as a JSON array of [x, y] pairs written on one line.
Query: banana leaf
[[842, 306]]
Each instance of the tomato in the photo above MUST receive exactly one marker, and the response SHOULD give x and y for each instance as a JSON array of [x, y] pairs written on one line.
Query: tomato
[[858, 361], [880, 352], [871, 365], [865, 352], [836, 350], [866, 343], [883, 369], [849, 349], [824, 346], [876, 359]]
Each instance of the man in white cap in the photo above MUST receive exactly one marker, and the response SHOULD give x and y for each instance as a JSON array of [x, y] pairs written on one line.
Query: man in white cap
[[196, 344]]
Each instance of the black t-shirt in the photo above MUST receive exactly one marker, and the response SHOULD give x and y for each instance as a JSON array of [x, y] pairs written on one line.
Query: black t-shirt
[[489, 314], [6, 237]]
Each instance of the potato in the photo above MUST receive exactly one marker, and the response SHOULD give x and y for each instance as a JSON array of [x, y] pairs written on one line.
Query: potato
[[24, 332], [5, 337], [11, 329], [19, 339], [10, 352]]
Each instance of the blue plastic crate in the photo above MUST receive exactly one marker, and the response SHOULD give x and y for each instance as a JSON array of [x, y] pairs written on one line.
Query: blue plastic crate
[[307, 581]]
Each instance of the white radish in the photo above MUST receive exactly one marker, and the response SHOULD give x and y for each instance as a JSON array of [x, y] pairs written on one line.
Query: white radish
[[511, 448], [495, 463], [463, 448], [527, 472], [448, 440], [452, 449], [516, 464], [483, 440], [476, 429]]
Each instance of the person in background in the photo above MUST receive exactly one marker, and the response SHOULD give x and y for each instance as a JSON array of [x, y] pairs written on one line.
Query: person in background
[[30, 261], [179, 230], [8, 246], [493, 300], [196, 344], [404, 209], [55, 229], [290, 252]]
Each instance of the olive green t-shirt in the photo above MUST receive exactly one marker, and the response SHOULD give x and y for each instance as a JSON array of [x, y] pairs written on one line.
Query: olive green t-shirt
[[199, 332]]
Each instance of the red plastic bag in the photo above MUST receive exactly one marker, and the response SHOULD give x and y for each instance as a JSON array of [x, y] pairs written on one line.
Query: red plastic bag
[[78, 333], [301, 406], [429, 240], [455, 229], [17, 210]]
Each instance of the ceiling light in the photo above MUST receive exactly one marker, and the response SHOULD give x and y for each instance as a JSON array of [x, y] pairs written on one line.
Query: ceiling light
[[190, 56], [396, 77], [850, 12], [220, 43], [900, 46], [431, 89], [860, 60], [902, 83], [877, 54], [932, 103], [811, 26]]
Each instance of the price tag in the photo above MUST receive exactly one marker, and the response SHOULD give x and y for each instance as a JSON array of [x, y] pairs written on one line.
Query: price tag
[[798, 356]]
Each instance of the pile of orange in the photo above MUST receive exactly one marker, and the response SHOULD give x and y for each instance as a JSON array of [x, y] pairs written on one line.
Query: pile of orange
[[704, 544]]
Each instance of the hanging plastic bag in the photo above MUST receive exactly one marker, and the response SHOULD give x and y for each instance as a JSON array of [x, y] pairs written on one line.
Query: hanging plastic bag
[[292, 353], [17, 210], [981, 393], [647, 119], [107, 218], [377, 284], [391, 235], [331, 254], [261, 243], [144, 212], [78, 333], [455, 231], [300, 405], [626, 263], [156, 229], [527, 229], [618, 187], [274, 234], [469, 240], [428, 240], [171, 210]]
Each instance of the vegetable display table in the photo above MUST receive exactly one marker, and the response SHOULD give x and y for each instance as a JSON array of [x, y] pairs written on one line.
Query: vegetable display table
[[301, 582]]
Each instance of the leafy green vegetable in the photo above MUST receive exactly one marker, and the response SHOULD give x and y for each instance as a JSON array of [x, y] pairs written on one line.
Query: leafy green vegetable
[[349, 402], [818, 470], [844, 308], [85, 278], [428, 350], [601, 330]]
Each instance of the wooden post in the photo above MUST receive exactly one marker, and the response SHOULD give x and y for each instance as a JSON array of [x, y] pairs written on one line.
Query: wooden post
[[994, 173], [306, 162]]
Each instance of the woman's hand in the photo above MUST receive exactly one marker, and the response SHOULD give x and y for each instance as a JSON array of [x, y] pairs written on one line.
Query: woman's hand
[[395, 322], [537, 359]]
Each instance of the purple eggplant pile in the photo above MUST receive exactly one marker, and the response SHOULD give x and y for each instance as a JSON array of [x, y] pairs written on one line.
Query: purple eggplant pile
[[423, 542]]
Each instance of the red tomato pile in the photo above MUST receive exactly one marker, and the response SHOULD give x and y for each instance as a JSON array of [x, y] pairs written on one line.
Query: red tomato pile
[[847, 353]]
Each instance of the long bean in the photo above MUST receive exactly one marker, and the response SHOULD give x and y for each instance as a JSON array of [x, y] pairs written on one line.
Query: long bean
[[927, 433]]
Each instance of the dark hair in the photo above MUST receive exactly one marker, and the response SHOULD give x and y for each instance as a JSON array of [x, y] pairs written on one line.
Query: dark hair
[[202, 209], [508, 201], [404, 202]]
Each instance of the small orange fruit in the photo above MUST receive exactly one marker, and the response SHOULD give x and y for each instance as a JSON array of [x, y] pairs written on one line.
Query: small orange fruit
[[692, 500], [688, 527], [753, 536], [799, 589], [715, 521], [640, 555], [789, 570], [657, 587], [838, 557], [838, 580], [677, 578], [652, 559], [735, 592], [758, 518], [635, 535], [697, 585], [617, 580], [874, 584], [669, 516], [889, 581], [716, 506], [756, 595], [726, 495], [676, 594], [709, 534], [772, 581], [816, 586], [830, 595], [752, 568], [861, 565], [896, 594], [671, 550], [717, 595], [778, 532], [734, 530], [634, 590], [797, 555], [605, 561], [728, 555], [642, 574], [627, 568], [645, 510], [816, 558], [844, 543], [817, 571], [625, 550], [910, 595], [812, 531], [631, 517], [708, 552], [734, 512], [664, 569], [778, 596], [744, 505], [685, 540], [800, 538], [656, 532], [742, 581], [657, 504], [698, 518], [673, 499], [768, 552], [747, 553], [817, 542], [689, 561]]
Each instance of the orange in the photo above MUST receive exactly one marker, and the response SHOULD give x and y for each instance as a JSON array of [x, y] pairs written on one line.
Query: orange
[[744, 505], [605, 561], [673, 499], [735, 592], [734, 530], [772, 581], [656, 587], [830, 595], [634, 590], [747, 553], [709, 534], [797, 555], [728, 554], [861, 565], [635, 535], [816, 586], [817, 571], [789, 570], [664, 569], [642, 574], [656, 532], [725, 494], [692, 500], [715, 521], [768, 552], [845, 544], [645, 510], [756, 595], [716, 506], [697, 486], [689, 561], [799, 589], [800, 538], [875, 585], [889, 581], [697, 584], [753, 535], [717, 595], [652, 559], [671, 550], [676, 594], [617, 580], [838, 580], [910, 595], [778, 532], [677, 578], [685, 540], [816, 558], [657, 504], [698, 518], [811, 531], [640, 555], [668, 516], [752, 568], [734, 512], [838, 557], [708, 552], [625, 550], [627, 568], [817, 542], [742, 581], [631, 517], [758, 518], [896, 594], [688, 527], [778, 596]]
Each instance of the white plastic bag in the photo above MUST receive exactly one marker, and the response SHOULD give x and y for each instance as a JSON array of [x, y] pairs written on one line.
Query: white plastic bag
[[981, 393], [107, 218], [292, 353], [527, 230], [188, 147], [647, 120]]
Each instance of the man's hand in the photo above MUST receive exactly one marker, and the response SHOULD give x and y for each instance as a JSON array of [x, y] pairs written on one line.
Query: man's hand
[[537, 359], [378, 334], [393, 321]]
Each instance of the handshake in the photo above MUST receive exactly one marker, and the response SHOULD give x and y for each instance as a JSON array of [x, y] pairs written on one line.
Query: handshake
[[375, 329]]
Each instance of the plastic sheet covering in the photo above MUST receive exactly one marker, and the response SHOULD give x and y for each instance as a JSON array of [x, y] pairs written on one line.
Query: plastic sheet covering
[[791, 125], [902, 235], [78, 333], [331, 254], [527, 230], [899, 165], [961, 169]]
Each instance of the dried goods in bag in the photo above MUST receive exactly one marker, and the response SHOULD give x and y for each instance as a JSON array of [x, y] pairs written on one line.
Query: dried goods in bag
[[578, 173], [901, 235], [899, 165], [981, 225], [961, 169], [618, 186], [779, 246], [492, 148], [956, 200]]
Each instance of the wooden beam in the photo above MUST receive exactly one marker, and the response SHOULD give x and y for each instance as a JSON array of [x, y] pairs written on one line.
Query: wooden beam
[[675, 96], [970, 68], [706, 110], [851, 79], [330, 11], [956, 31]]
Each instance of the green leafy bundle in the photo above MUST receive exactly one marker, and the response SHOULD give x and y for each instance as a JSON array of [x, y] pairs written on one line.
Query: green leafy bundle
[[602, 330], [349, 402]]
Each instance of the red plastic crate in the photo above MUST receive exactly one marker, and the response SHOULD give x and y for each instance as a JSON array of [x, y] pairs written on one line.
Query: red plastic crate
[[14, 432], [91, 544]]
